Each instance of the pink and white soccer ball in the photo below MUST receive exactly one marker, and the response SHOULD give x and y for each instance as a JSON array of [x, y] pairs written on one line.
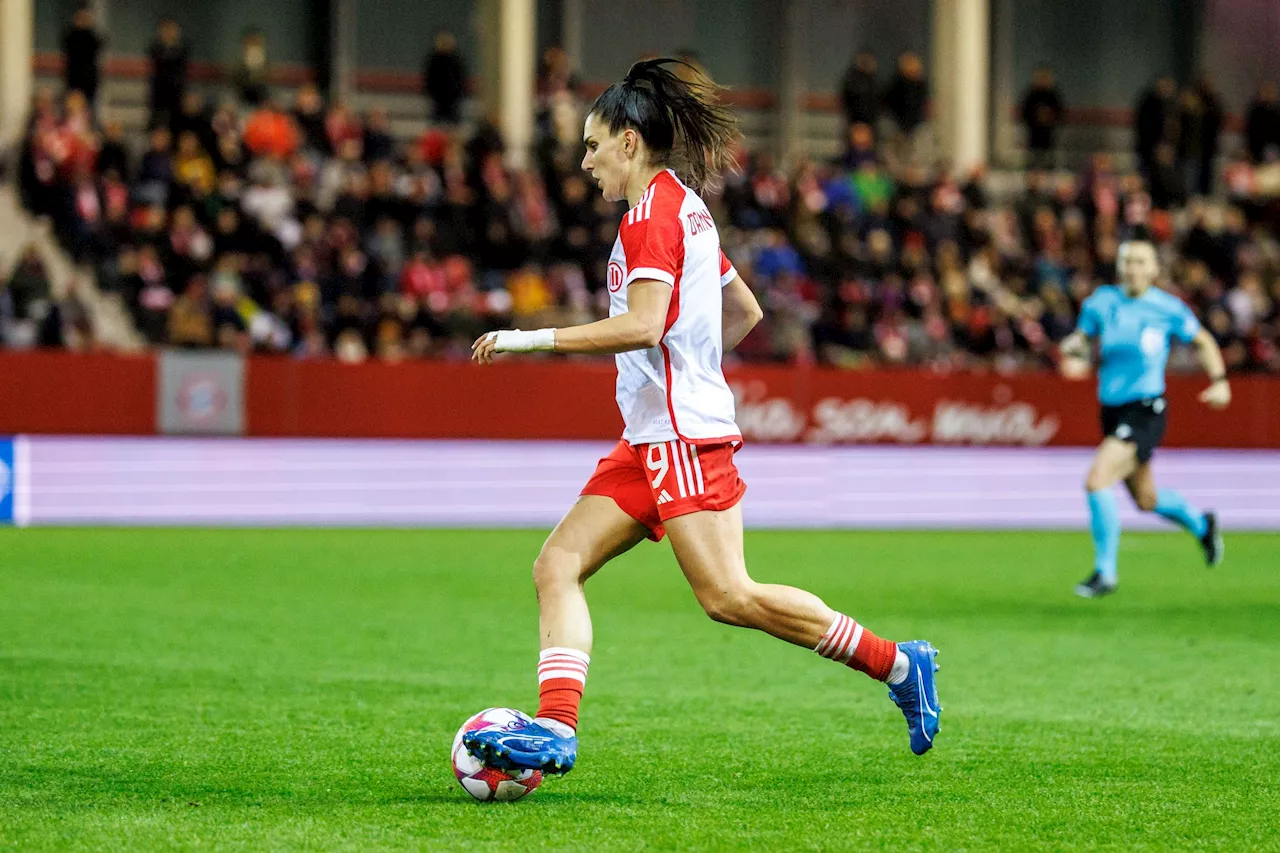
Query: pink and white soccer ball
[[489, 783]]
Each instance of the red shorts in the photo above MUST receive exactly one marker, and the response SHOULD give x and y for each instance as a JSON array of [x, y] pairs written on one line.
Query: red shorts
[[654, 482]]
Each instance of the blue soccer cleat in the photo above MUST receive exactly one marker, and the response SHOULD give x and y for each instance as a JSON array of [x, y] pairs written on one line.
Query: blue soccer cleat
[[917, 697], [528, 746]]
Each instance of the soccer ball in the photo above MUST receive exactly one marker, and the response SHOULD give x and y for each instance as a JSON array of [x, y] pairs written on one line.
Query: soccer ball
[[489, 783]]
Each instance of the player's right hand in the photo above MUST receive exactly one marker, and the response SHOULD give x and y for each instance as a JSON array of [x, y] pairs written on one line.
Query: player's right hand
[[483, 349]]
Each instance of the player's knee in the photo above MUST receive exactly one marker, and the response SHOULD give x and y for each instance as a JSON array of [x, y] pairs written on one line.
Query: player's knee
[[554, 568], [735, 605], [1146, 500], [1096, 481]]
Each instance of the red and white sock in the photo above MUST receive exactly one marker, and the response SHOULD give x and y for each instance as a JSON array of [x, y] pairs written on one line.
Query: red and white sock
[[562, 674], [851, 644]]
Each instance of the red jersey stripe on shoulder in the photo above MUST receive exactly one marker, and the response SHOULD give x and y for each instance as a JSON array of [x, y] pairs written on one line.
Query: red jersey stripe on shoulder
[[652, 236], [644, 208]]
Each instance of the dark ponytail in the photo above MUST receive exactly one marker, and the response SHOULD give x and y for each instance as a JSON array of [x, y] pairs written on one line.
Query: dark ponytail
[[679, 116]]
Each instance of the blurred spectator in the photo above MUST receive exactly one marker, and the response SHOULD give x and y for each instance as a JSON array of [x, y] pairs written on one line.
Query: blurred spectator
[[1262, 124], [1042, 113], [193, 116], [154, 298], [155, 174], [559, 121], [1192, 138], [1199, 124], [308, 114], [861, 147], [845, 337], [113, 155], [1155, 121], [270, 132], [1212, 119], [905, 102], [555, 74], [268, 199], [30, 315], [82, 46], [860, 91], [170, 55], [444, 79], [28, 286], [190, 320], [192, 167], [378, 142], [344, 131], [65, 325], [252, 71]]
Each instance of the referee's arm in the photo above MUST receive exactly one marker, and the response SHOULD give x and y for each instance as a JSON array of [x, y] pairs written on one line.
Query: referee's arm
[[1089, 325], [1218, 394], [1075, 345]]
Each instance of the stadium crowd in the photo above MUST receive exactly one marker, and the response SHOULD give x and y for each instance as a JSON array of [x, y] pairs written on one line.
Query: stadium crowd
[[305, 228]]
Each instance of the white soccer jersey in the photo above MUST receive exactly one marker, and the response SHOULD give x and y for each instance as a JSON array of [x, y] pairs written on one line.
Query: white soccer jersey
[[676, 389]]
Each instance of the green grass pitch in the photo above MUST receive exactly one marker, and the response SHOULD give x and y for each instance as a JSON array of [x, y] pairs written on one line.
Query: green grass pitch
[[220, 690]]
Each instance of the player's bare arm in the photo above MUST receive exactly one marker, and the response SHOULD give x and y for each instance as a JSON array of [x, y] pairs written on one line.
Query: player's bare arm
[[741, 312], [1218, 394], [640, 327]]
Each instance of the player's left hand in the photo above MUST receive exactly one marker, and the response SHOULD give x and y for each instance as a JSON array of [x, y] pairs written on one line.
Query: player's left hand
[[482, 351], [1217, 395]]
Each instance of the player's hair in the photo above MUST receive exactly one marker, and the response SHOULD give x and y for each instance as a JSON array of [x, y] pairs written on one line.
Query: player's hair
[[679, 117]]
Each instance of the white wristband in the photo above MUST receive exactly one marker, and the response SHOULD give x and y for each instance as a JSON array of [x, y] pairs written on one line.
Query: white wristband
[[514, 340]]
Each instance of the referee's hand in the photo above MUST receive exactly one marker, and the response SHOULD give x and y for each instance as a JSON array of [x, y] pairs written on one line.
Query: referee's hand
[[1074, 346], [1217, 395], [1073, 366]]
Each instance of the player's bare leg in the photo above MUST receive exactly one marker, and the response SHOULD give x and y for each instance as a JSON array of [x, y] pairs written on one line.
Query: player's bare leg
[[708, 545], [1142, 487], [592, 533], [1113, 461], [1172, 506]]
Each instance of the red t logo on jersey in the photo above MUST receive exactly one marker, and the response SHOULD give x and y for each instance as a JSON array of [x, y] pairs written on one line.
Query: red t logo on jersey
[[615, 276]]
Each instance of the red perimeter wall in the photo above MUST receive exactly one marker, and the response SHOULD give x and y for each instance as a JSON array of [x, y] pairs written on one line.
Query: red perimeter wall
[[54, 392], [61, 392]]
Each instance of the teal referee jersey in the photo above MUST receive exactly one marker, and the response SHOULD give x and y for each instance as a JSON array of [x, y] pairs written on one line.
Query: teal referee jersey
[[1135, 336]]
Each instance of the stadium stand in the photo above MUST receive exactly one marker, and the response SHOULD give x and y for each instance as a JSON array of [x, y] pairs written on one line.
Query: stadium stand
[[315, 229]]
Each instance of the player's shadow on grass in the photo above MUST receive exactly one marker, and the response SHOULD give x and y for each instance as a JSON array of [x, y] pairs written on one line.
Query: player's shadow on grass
[[558, 799], [97, 788]]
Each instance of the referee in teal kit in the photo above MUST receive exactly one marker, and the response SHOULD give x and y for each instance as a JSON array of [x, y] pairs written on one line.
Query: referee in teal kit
[[1134, 324]]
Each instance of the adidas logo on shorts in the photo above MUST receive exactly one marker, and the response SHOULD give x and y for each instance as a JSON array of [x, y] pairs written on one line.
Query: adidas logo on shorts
[[664, 497]]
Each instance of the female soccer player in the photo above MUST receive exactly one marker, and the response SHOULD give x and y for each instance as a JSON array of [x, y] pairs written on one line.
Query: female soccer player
[[1135, 323], [676, 304]]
